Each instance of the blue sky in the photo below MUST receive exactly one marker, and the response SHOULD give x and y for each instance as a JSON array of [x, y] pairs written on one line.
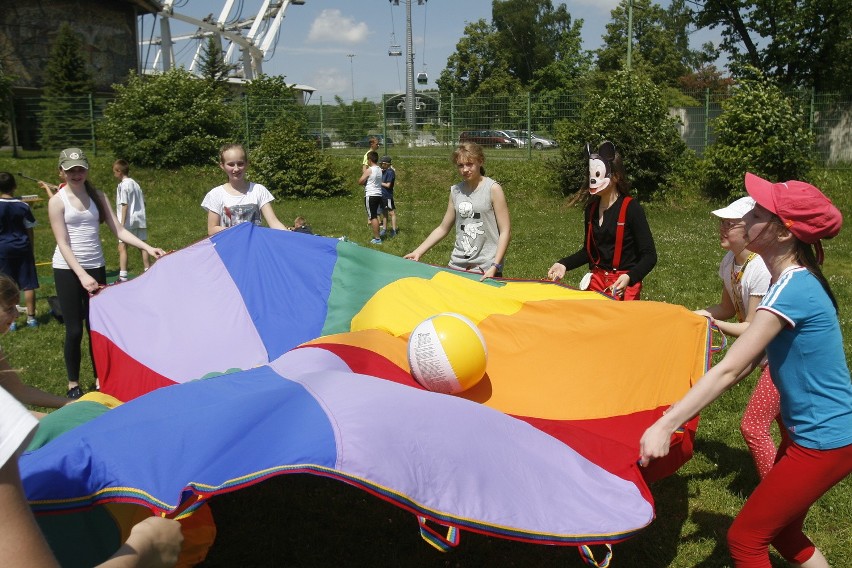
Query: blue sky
[[316, 39]]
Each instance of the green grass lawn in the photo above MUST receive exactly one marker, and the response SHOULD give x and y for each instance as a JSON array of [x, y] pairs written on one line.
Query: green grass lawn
[[308, 521]]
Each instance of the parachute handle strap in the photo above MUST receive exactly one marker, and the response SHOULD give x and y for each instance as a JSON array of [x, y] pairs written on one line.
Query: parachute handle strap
[[589, 557], [436, 539], [714, 330]]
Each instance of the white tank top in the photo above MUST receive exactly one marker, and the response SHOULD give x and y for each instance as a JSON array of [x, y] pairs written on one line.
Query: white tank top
[[84, 234]]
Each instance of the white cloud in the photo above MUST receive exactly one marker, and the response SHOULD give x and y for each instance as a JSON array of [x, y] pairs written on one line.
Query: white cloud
[[330, 80], [332, 25]]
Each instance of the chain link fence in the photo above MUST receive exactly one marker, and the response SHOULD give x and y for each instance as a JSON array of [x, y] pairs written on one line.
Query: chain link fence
[[526, 122]]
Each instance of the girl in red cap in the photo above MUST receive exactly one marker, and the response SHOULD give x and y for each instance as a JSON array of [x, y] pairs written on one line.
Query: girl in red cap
[[797, 326]]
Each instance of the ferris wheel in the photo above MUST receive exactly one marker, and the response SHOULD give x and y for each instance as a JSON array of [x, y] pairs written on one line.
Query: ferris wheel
[[245, 40]]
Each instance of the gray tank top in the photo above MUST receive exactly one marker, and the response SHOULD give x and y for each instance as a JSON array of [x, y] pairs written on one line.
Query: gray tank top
[[476, 227]]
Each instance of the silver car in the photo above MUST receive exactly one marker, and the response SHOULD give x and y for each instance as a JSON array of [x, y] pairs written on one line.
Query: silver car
[[521, 137]]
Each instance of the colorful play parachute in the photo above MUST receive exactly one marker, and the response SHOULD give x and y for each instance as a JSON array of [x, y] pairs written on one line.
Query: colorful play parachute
[[286, 353]]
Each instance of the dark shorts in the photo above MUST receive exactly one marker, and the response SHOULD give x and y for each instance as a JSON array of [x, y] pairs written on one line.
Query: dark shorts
[[372, 202], [387, 203], [22, 270]]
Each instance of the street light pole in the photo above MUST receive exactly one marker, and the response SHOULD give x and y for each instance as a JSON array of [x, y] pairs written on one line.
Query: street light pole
[[352, 75]]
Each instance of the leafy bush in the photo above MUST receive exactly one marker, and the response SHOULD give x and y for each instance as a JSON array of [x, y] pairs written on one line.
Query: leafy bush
[[168, 120], [761, 131], [631, 113], [266, 99], [289, 163]]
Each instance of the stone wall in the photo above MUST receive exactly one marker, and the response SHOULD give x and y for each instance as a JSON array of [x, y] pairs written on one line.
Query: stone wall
[[107, 28]]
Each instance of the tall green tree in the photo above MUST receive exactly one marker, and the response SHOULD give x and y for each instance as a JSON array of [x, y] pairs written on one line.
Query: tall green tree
[[660, 46], [66, 117], [804, 43], [479, 66], [534, 35], [211, 63]]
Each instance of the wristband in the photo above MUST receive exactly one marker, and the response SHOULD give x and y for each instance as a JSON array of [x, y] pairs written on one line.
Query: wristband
[[497, 266]]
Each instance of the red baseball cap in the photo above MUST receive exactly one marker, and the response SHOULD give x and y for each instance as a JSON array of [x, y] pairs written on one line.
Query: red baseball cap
[[804, 209]]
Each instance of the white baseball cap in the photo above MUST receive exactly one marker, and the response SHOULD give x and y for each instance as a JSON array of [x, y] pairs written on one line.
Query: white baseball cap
[[735, 210]]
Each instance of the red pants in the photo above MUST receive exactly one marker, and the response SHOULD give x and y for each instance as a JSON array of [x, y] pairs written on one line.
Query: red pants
[[775, 512], [602, 281], [763, 408]]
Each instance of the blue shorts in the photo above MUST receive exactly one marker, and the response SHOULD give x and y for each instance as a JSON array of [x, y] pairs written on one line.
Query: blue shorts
[[21, 269]]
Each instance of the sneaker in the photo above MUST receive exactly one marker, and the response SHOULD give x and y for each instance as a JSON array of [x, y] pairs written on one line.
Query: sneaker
[[375, 241], [32, 322], [122, 279], [14, 326], [394, 232], [382, 232], [74, 393]]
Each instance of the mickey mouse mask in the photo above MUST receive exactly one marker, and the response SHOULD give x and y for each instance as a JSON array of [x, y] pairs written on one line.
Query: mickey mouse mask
[[600, 167]]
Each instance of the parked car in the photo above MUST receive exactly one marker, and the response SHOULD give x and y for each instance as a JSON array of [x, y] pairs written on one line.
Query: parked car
[[490, 138], [365, 141], [538, 142], [322, 140]]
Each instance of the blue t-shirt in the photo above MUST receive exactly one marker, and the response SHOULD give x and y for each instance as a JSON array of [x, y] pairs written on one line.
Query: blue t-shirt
[[807, 362], [15, 218], [388, 176]]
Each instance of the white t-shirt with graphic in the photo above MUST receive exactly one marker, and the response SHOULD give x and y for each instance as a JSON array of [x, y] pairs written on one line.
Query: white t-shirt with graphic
[[236, 209]]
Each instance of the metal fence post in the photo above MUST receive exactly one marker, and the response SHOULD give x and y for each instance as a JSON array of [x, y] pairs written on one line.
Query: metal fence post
[[811, 113], [385, 125], [92, 123], [246, 119], [13, 127], [706, 119], [321, 126], [529, 125], [452, 118]]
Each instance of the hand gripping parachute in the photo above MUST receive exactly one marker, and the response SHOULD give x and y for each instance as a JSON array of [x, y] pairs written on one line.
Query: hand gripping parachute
[[256, 353]]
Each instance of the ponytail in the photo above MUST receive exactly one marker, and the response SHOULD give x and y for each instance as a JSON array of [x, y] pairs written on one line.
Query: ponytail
[[93, 195], [806, 257]]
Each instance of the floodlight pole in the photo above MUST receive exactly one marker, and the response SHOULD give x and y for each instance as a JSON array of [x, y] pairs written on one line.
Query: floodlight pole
[[410, 107], [352, 76], [629, 34]]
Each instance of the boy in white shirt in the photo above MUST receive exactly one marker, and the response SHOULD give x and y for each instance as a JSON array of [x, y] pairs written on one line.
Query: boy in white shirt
[[371, 179], [130, 210]]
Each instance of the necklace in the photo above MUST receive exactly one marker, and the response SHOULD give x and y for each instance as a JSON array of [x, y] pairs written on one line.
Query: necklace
[[736, 276]]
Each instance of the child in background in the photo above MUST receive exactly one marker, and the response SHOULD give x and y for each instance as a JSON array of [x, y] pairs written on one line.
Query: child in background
[[477, 207], [618, 248], [300, 225], [130, 210], [17, 259], [371, 179], [797, 328], [9, 378], [745, 280], [388, 204], [238, 200]]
